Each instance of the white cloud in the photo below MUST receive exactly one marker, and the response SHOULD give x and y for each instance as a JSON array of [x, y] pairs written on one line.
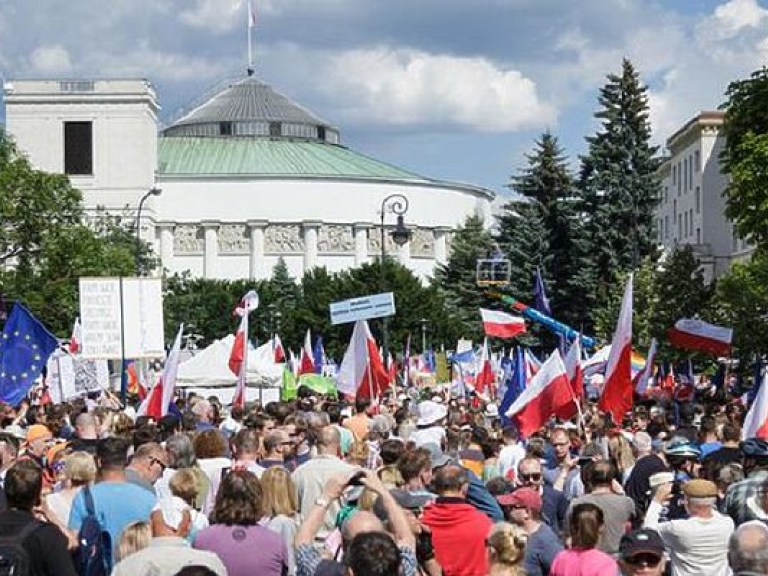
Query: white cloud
[[215, 15], [410, 87], [52, 60]]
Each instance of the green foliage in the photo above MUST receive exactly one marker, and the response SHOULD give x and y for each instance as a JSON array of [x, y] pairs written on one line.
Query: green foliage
[[746, 196], [618, 188], [456, 279]]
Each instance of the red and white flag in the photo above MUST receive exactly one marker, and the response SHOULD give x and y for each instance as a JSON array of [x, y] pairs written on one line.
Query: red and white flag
[[616, 398], [548, 394], [501, 324], [692, 334], [161, 395], [277, 348], [362, 373], [756, 421], [307, 358], [573, 367], [642, 378], [485, 376], [532, 365], [238, 356], [76, 340]]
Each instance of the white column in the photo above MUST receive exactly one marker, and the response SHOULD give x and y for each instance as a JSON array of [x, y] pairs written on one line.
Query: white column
[[441, 247], [404, 253], [257, 265], [164, 234], [211, 252], [361, 243], [310, 243]]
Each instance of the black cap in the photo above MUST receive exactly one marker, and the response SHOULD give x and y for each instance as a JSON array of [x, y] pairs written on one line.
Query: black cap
[[644, 541]]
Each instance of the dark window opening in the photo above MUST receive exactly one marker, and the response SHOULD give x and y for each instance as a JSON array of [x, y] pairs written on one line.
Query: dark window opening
[[225, 128], [78, 148], [321, 132], [275, 129]]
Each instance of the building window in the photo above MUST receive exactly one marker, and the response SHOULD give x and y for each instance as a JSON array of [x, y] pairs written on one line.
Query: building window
[[674, 210], [225, 128], [690, 172], [679, 225], [666, 227], [697, 160], [674, 175], [685, 174], [698, 235], [698, 200], [275, 130], [679, 179], [78, 148], [666, 194]]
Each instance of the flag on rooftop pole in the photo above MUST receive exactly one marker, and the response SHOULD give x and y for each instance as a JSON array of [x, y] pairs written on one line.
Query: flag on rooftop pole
[[616, 398], [161, 395], [251, 13], [25, 346]]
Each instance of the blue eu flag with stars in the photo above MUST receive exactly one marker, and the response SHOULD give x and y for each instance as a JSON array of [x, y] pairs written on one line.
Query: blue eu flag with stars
[[24, 349]]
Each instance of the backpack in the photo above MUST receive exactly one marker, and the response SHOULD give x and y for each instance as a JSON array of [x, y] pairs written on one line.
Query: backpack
[[95, 553], [14, 558]]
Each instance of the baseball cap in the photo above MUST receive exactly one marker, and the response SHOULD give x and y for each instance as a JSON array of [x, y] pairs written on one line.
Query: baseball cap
[[641, 541], [527, 497]]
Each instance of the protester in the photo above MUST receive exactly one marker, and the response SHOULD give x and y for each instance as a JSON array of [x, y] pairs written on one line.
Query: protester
[[542, 544], [511, 453], [564, 473], [506, 549], [86, 435], [280, 509], [741, 499], [359, 423], [458, 528], [168, 551], [184, 485], [44, 543], [235, 535], [428, 426], [586, 526], [136, 536], [147, 466], [641, 553], [701, 539], [554, 502], [116, 501], [79, 471], [748, 549]]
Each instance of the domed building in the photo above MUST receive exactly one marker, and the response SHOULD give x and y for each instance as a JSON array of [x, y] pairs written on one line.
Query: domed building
[[245, 177]]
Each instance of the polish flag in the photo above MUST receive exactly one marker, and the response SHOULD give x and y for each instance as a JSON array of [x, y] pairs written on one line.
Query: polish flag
[[756, 420], [548, 394], [238, 357], [616, 398], [75, 341], [573, 368], [501, 324], [532, 365], [251, 13], [692, 334], [306, 360], [485, 376], [161, 395], [277, 348], [362, 371]]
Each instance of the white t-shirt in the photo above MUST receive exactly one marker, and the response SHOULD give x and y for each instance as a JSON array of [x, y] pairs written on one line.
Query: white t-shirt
[[431, 435], [509, 458]]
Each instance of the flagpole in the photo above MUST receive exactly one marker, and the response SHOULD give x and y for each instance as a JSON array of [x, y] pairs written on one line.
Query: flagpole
[[249, 15]]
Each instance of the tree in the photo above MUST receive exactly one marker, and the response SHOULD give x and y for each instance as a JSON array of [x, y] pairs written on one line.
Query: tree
[[618, 186], [456, 279]]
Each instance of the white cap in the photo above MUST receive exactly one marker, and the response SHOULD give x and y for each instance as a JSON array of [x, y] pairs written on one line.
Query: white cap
[[172, 508]]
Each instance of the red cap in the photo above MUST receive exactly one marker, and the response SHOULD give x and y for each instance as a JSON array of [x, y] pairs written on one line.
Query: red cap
[[527, 497]]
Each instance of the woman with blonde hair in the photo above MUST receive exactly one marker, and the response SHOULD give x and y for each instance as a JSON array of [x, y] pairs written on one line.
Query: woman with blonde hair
[[280, 507], [184, 484], [506, 550], [134, 537], [79, 469], [620, 453]]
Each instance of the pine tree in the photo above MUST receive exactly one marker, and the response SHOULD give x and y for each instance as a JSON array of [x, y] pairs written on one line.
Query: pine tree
[[456, 279], [618, 187]]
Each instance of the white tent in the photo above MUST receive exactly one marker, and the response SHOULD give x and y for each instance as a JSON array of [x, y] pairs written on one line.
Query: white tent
[[208, 373]]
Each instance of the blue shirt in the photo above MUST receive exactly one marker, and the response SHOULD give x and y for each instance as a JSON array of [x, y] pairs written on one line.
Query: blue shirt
[[117, 504], [540, 551]]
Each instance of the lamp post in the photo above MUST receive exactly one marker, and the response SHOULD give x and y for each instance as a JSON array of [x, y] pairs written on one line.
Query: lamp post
[[397, 204], [154, 191], [423, 335]]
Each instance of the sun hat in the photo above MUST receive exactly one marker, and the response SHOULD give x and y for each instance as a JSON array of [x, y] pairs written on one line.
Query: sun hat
[[430, 412], [172, 509]]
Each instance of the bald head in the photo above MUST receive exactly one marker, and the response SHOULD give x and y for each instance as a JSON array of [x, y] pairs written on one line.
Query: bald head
[[748, 548], [85, 426], [160, 528], [360, 522], [328, 440]]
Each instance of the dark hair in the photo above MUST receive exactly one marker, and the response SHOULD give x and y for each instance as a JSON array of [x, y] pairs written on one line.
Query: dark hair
[[373, 554], [362, 405], [238, 501], [499, 485], [144, 435], [510, 433], [23, 485], [195, 570], [112, 453], [334, 413], [391, 450], [412, 463], [601, 473], [167, 426], [731, 433], [585, 525], [450, 478], [245, 442]]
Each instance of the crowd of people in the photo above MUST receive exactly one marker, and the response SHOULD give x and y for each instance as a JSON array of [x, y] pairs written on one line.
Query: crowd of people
[[427, 485]]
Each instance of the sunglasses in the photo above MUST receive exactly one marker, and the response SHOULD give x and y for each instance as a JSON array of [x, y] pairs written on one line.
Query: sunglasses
[[159, 463], [643, 560], [532, 477]]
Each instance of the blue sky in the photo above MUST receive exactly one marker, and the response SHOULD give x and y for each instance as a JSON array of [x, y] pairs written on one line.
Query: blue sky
[[454, 90]]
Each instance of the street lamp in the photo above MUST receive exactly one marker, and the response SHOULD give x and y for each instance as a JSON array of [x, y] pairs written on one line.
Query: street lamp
[[397, 204], [154, 191], [423, 335]]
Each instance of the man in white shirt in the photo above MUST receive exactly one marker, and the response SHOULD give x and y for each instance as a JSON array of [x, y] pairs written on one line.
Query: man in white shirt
[[698, 544], [511, 454], [311, 477]]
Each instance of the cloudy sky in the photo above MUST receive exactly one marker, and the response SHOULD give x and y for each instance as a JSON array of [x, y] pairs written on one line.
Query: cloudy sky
[[450, 89]]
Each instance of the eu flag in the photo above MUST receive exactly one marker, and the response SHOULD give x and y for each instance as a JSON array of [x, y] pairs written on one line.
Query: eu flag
[[318, 355], [24, 349], [540, 300]]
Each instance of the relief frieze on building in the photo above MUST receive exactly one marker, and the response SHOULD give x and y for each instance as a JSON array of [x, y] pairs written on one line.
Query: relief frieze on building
[[374, 241], [283, 239], [422, 243], [188, 239], [233, 239], [335, 239]]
